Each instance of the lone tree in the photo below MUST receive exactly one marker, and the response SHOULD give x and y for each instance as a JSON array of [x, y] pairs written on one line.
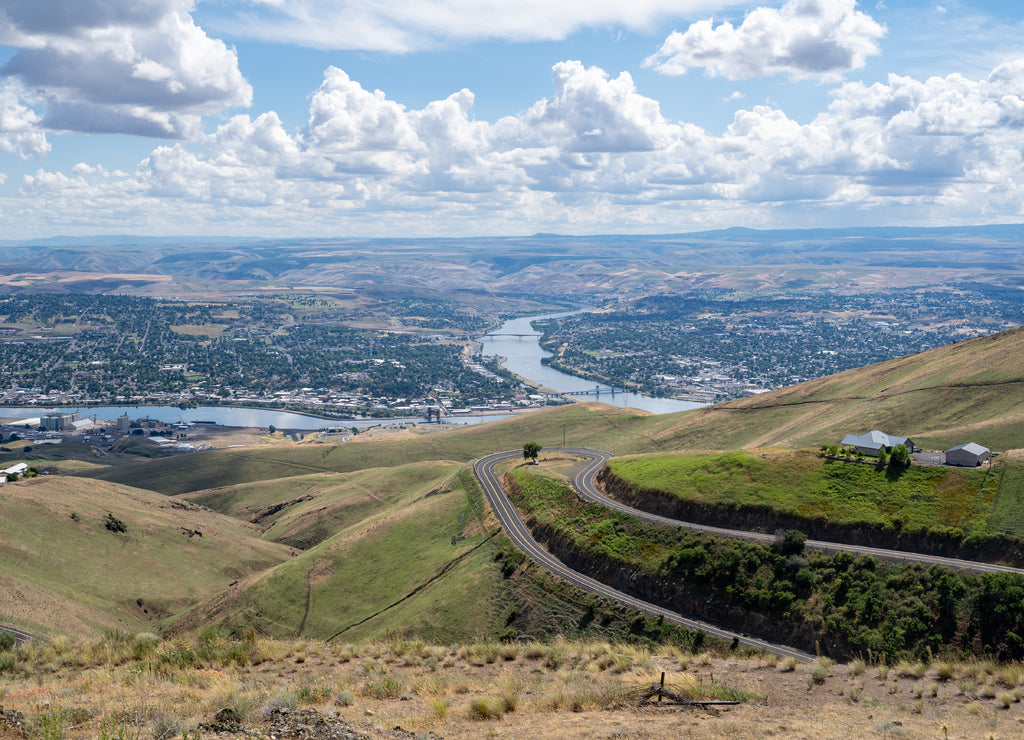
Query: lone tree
[[900, 456], [531, 450]]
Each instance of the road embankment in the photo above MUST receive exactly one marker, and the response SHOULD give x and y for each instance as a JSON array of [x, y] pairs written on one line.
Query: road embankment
[[703, 604]]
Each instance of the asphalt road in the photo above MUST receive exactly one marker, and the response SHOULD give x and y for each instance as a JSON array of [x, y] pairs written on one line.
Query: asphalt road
[[523, 539], [21, 637]]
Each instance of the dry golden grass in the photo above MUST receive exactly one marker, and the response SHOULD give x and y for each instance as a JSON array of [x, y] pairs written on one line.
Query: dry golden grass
[[141, 686]]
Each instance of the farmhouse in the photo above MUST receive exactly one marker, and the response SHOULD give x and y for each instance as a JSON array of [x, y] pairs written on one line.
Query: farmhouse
[[16, 469], [969, 455], [874, 441]]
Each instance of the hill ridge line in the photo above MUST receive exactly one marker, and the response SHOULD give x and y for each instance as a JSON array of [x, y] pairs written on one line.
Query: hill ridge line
[[840, 399]]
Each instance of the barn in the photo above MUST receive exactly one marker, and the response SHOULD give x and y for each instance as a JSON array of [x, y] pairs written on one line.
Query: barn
[[969, 455]]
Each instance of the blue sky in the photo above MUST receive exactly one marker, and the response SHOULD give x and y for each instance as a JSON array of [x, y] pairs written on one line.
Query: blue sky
[[477, 117]]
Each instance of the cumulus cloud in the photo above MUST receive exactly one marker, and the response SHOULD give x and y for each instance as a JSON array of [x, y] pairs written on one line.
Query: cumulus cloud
[[595, 155], [120, 66], [803, 38], [19, 125], [409, 25]]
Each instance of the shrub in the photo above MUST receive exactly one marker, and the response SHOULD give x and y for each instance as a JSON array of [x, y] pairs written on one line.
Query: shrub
[[280, 700], [790, 543], [166, 727], [344, 698]]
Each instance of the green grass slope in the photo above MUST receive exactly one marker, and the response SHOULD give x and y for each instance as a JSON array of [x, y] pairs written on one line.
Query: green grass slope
[[425, 566], [63, 569], [803, 484]]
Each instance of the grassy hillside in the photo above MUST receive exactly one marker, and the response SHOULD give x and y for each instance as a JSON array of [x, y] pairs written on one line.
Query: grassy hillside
[[838, 604], [375, 520], [306, 509], [65, 567], [419, 564], [804, 484], [127, 687]]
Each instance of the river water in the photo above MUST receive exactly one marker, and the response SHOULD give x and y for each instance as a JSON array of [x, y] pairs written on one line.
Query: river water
[[231, 416], [523, 357]]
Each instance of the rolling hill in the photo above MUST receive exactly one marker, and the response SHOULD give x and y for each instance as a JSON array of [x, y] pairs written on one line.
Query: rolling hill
[[82, 557]]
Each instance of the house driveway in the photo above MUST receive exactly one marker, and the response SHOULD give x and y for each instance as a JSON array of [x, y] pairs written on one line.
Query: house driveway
[[929, 458]]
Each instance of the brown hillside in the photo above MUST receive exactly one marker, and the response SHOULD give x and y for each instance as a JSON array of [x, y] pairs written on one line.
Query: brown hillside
[[968, 390]]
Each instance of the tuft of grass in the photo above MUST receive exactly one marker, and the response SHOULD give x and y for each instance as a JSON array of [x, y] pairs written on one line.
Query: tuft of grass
[[908, 670], [487, 707], [439, 708], [280, 700], [382, 687]]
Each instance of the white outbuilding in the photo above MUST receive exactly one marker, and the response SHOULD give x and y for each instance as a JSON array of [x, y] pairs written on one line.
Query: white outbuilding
[[969, 455], [18, 469]]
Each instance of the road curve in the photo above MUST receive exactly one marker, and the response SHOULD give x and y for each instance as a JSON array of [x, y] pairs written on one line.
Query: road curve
[[19, 636], [584, 484], [520, 534]]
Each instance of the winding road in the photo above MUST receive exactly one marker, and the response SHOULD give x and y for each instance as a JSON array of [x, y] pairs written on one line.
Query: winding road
[[583, 481], [520, 534]]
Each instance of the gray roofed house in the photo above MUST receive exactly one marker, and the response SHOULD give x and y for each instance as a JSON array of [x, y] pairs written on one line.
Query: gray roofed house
[[969, 455], [874, 441]]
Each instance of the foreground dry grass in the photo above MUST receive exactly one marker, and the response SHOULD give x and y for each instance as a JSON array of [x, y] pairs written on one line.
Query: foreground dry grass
[[127, 688]]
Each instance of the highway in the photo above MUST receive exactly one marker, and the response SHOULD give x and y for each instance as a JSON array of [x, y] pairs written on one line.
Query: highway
[[518, 532]]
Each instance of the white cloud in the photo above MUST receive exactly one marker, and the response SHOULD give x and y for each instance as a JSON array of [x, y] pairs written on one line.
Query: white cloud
[[120, 66], [595, 155], [19, 125], [803, 38], [409, 25]]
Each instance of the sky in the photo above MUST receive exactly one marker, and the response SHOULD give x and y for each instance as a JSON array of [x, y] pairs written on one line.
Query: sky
[[448, 118]]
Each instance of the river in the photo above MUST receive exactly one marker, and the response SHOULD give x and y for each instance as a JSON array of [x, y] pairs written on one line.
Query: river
[[232, 416], [523, 356]]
